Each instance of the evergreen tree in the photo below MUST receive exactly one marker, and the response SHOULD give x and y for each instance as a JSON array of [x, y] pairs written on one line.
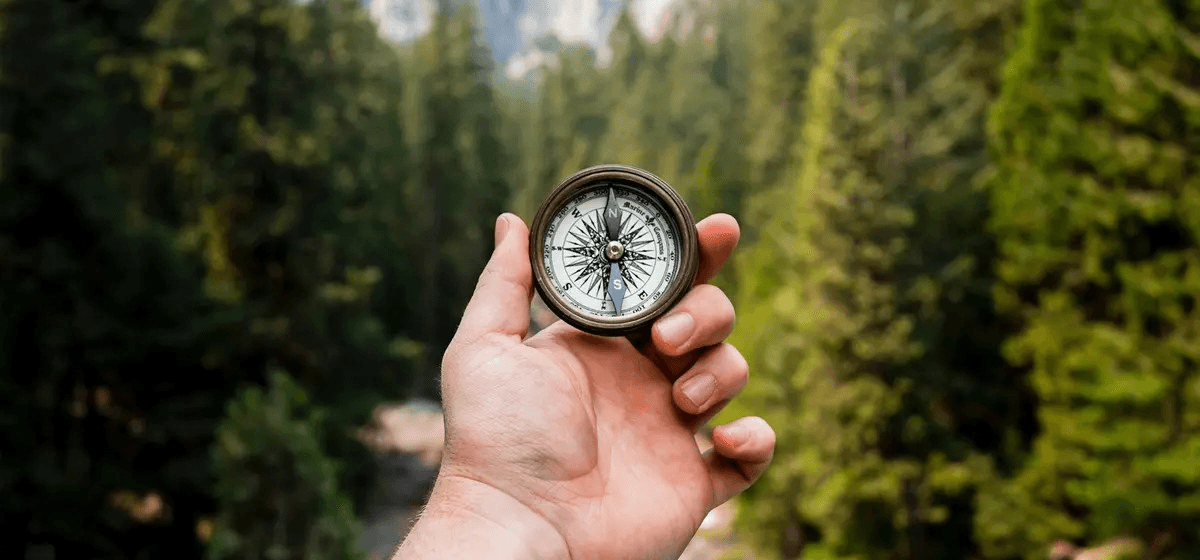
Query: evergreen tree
[[781, 57], [720, 177], [276, 489], [630, 52], [274, 182], [458, 186], [103, 326], [1095, 201], [565, 122], [193, 192], [855, 308], [674, 106], [284, 136]]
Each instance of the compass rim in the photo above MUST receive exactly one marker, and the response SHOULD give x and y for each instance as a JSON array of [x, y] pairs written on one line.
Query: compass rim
[[667, 197]]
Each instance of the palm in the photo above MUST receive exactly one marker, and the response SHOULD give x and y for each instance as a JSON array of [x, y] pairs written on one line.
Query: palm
[[612, 442]]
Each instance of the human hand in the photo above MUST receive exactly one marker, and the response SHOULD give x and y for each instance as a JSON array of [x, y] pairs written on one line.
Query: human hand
[[570, 445]]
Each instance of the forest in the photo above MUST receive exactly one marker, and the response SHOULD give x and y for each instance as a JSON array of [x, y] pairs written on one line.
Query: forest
[[966, 287]]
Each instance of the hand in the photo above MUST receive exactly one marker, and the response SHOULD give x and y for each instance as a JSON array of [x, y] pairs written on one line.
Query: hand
[[569, 445]]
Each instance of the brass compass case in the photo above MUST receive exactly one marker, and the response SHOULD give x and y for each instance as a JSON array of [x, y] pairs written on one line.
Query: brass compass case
[[673, 208]]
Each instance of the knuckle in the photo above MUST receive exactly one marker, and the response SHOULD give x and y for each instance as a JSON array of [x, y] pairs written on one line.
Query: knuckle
[[712, 297], [711, 303], [706, 294], [757, 424], [740, 368], [733, 364]]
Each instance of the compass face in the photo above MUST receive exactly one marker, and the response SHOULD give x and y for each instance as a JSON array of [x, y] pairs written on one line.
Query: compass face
[[613, 248], [578, 261]]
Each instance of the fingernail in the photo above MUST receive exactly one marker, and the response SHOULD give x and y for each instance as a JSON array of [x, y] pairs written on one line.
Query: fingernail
[[698, 389], [735, 434], [501, 228], [676, 329]]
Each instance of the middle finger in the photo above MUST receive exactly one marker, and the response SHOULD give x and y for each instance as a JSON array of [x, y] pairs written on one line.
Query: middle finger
[[703, 318]]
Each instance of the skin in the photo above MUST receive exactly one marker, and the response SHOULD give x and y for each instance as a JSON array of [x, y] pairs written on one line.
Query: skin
[[568, 445]]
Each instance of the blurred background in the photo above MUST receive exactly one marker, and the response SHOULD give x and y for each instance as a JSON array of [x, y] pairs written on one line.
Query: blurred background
[[236, 236]]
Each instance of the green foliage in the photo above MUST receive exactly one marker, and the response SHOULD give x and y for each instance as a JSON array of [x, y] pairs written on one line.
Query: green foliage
[[459, 181], [275, 192], [1095, 217], [104, 325], [781, 58], [569, 118], [282, 130], [973, 337], [856, 307], [276, 491], [196, 193]]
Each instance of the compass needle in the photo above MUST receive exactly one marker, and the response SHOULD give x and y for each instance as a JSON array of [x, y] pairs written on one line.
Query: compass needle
[[612, 217], [616, 287]]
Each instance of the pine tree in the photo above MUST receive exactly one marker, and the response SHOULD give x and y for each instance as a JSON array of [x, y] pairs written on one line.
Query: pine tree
[[697, 139], [866, 310], [280, 126], [104, 328], [277, 491], [630, 53], [1094, 212], [458, 187], [721, 169], [782, 54], [673, 106]]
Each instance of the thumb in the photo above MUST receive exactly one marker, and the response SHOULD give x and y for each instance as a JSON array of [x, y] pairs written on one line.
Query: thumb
[[501, 301]]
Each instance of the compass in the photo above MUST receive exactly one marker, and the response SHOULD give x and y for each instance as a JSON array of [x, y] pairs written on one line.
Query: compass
[[613, 248]]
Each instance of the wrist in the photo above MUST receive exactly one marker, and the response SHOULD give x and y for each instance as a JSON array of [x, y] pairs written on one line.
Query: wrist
[[465, 518]]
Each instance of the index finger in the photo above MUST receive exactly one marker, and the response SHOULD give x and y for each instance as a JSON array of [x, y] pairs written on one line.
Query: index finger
[[718, 234]]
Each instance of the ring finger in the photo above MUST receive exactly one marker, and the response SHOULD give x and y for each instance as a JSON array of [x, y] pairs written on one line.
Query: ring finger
[[718, 375]]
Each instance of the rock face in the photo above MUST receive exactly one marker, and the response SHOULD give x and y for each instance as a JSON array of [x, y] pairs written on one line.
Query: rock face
[[401, 21], [509, 26], [518, 31]]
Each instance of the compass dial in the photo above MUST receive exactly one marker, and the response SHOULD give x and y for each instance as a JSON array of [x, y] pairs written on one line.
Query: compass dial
[[612, 249], [576, 251]]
